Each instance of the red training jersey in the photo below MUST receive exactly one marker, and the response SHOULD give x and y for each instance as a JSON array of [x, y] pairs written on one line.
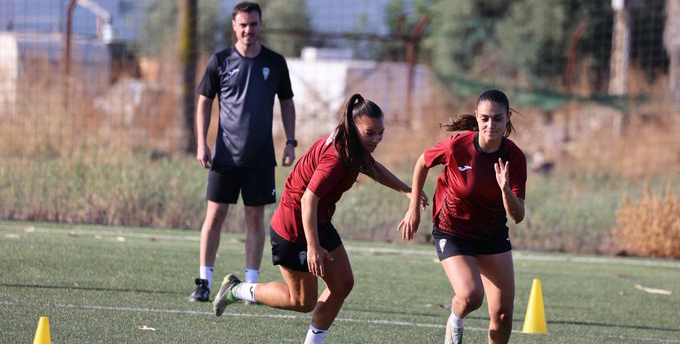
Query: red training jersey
[[322, 171], [468, 202]]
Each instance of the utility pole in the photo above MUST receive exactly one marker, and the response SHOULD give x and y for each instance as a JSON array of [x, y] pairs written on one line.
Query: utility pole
[[671, 40], [620, 56], [188, 14], [67, 43]]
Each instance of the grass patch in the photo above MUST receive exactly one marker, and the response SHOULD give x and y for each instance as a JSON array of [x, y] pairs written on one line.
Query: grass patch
[[92, 284], [565, 212]]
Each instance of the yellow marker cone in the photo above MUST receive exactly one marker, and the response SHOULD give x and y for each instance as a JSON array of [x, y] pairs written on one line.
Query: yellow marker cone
[[534, 320], [42, 334]]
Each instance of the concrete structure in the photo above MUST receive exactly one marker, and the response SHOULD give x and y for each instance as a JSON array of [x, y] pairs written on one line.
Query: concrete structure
[[322, 86], [89, 16], [29, 59]]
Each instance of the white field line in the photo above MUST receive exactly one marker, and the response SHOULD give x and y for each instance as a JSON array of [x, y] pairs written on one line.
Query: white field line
[[298, 317], [518, 255]]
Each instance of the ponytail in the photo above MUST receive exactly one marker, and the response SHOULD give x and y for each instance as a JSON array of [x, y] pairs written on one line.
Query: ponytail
[[461, 123], [469, 122], [347, 140]]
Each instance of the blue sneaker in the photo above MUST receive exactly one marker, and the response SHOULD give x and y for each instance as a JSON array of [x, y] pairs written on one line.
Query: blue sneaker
[[226, 296]]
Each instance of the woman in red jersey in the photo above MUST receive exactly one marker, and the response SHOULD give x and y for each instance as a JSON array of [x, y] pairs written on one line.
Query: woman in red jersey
[[483, 179], [305, 244]]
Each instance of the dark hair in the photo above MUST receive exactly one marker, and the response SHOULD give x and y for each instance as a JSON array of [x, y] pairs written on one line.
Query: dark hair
[[469, 122], [247, 7], [347, 141]]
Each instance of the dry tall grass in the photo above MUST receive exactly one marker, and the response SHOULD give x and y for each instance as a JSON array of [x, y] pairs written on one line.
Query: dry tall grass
[[650, 226], [70, 159]]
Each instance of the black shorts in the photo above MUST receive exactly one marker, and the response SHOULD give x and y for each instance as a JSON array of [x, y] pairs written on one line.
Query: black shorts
[[294, 256], [449, 246], [257, 184]]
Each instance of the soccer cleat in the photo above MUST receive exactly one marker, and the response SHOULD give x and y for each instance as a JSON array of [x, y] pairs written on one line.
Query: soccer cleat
[[226, 296], [202, 292], [454, 335]]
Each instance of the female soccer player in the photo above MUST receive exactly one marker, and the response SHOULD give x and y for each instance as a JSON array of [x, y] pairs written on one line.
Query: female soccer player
[[305, 244], [484, 178]]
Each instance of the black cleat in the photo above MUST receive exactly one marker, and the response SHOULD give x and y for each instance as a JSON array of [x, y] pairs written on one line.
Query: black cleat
[[202, 292]]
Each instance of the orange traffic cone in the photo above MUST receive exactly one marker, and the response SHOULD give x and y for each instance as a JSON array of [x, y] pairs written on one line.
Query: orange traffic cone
[[534, 320], [42, 334]]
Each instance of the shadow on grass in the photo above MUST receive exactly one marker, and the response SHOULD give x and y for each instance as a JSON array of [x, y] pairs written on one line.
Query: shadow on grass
[[632, 327], [430, 315], [70, 287]]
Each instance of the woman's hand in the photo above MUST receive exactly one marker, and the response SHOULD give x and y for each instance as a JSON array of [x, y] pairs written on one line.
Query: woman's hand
[[502, 173], [409, 225], [315, 259]]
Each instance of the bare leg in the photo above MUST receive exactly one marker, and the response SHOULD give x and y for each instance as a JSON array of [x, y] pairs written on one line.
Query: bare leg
[[300, 291], [254, 236], [210, 232], [498, 277], [339, 283], [297, 294], [463, 274]]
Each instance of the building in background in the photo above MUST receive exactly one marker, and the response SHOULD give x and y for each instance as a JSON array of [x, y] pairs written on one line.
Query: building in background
[[323, 80], [49, 16]]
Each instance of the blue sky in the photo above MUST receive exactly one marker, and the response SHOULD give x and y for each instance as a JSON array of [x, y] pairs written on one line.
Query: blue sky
[[128, 15]]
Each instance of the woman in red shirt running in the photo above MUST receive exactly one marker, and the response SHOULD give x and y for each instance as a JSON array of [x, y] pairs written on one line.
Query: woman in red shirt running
[[305, 244], [483, 179]]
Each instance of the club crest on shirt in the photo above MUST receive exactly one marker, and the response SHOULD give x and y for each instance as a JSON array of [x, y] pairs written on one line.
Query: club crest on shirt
[[330, 138], [274, 192], [465, 167], [265, 72], [303, 258], [232, 72], [442, 244]]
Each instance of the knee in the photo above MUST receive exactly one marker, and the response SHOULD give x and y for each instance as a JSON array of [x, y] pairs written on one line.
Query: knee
[[472, 301], [305, 306], [215, 215], [502, 316], [345, 286], [254, 213]]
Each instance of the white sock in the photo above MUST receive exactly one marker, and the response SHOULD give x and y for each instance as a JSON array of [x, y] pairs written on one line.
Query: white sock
[[245, 291], [315, 335], [456, 321], [252, 275], [205, 272]]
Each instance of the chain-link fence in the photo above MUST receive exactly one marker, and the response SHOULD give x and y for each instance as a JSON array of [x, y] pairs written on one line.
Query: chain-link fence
[[95, 117]]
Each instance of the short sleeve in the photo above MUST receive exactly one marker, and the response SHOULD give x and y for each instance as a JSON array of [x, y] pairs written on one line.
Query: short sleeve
[[210, 83], [285, 90], [518, 173], [438, 155], [327, 175]]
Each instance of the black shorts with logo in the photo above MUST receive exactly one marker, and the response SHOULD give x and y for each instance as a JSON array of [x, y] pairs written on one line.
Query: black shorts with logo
[[294, 256], [256, 183], [449, 246]]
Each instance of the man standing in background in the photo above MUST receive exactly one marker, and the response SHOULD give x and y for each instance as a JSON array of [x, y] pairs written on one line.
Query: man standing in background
[[245, 77]]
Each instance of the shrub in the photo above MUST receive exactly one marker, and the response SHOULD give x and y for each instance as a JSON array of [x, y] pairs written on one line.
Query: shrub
[[651, 226]]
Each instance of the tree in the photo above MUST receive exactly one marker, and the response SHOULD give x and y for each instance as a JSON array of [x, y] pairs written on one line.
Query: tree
[[506, 41], [533, 37], [290, 15], [458, 32], [160, 28]]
